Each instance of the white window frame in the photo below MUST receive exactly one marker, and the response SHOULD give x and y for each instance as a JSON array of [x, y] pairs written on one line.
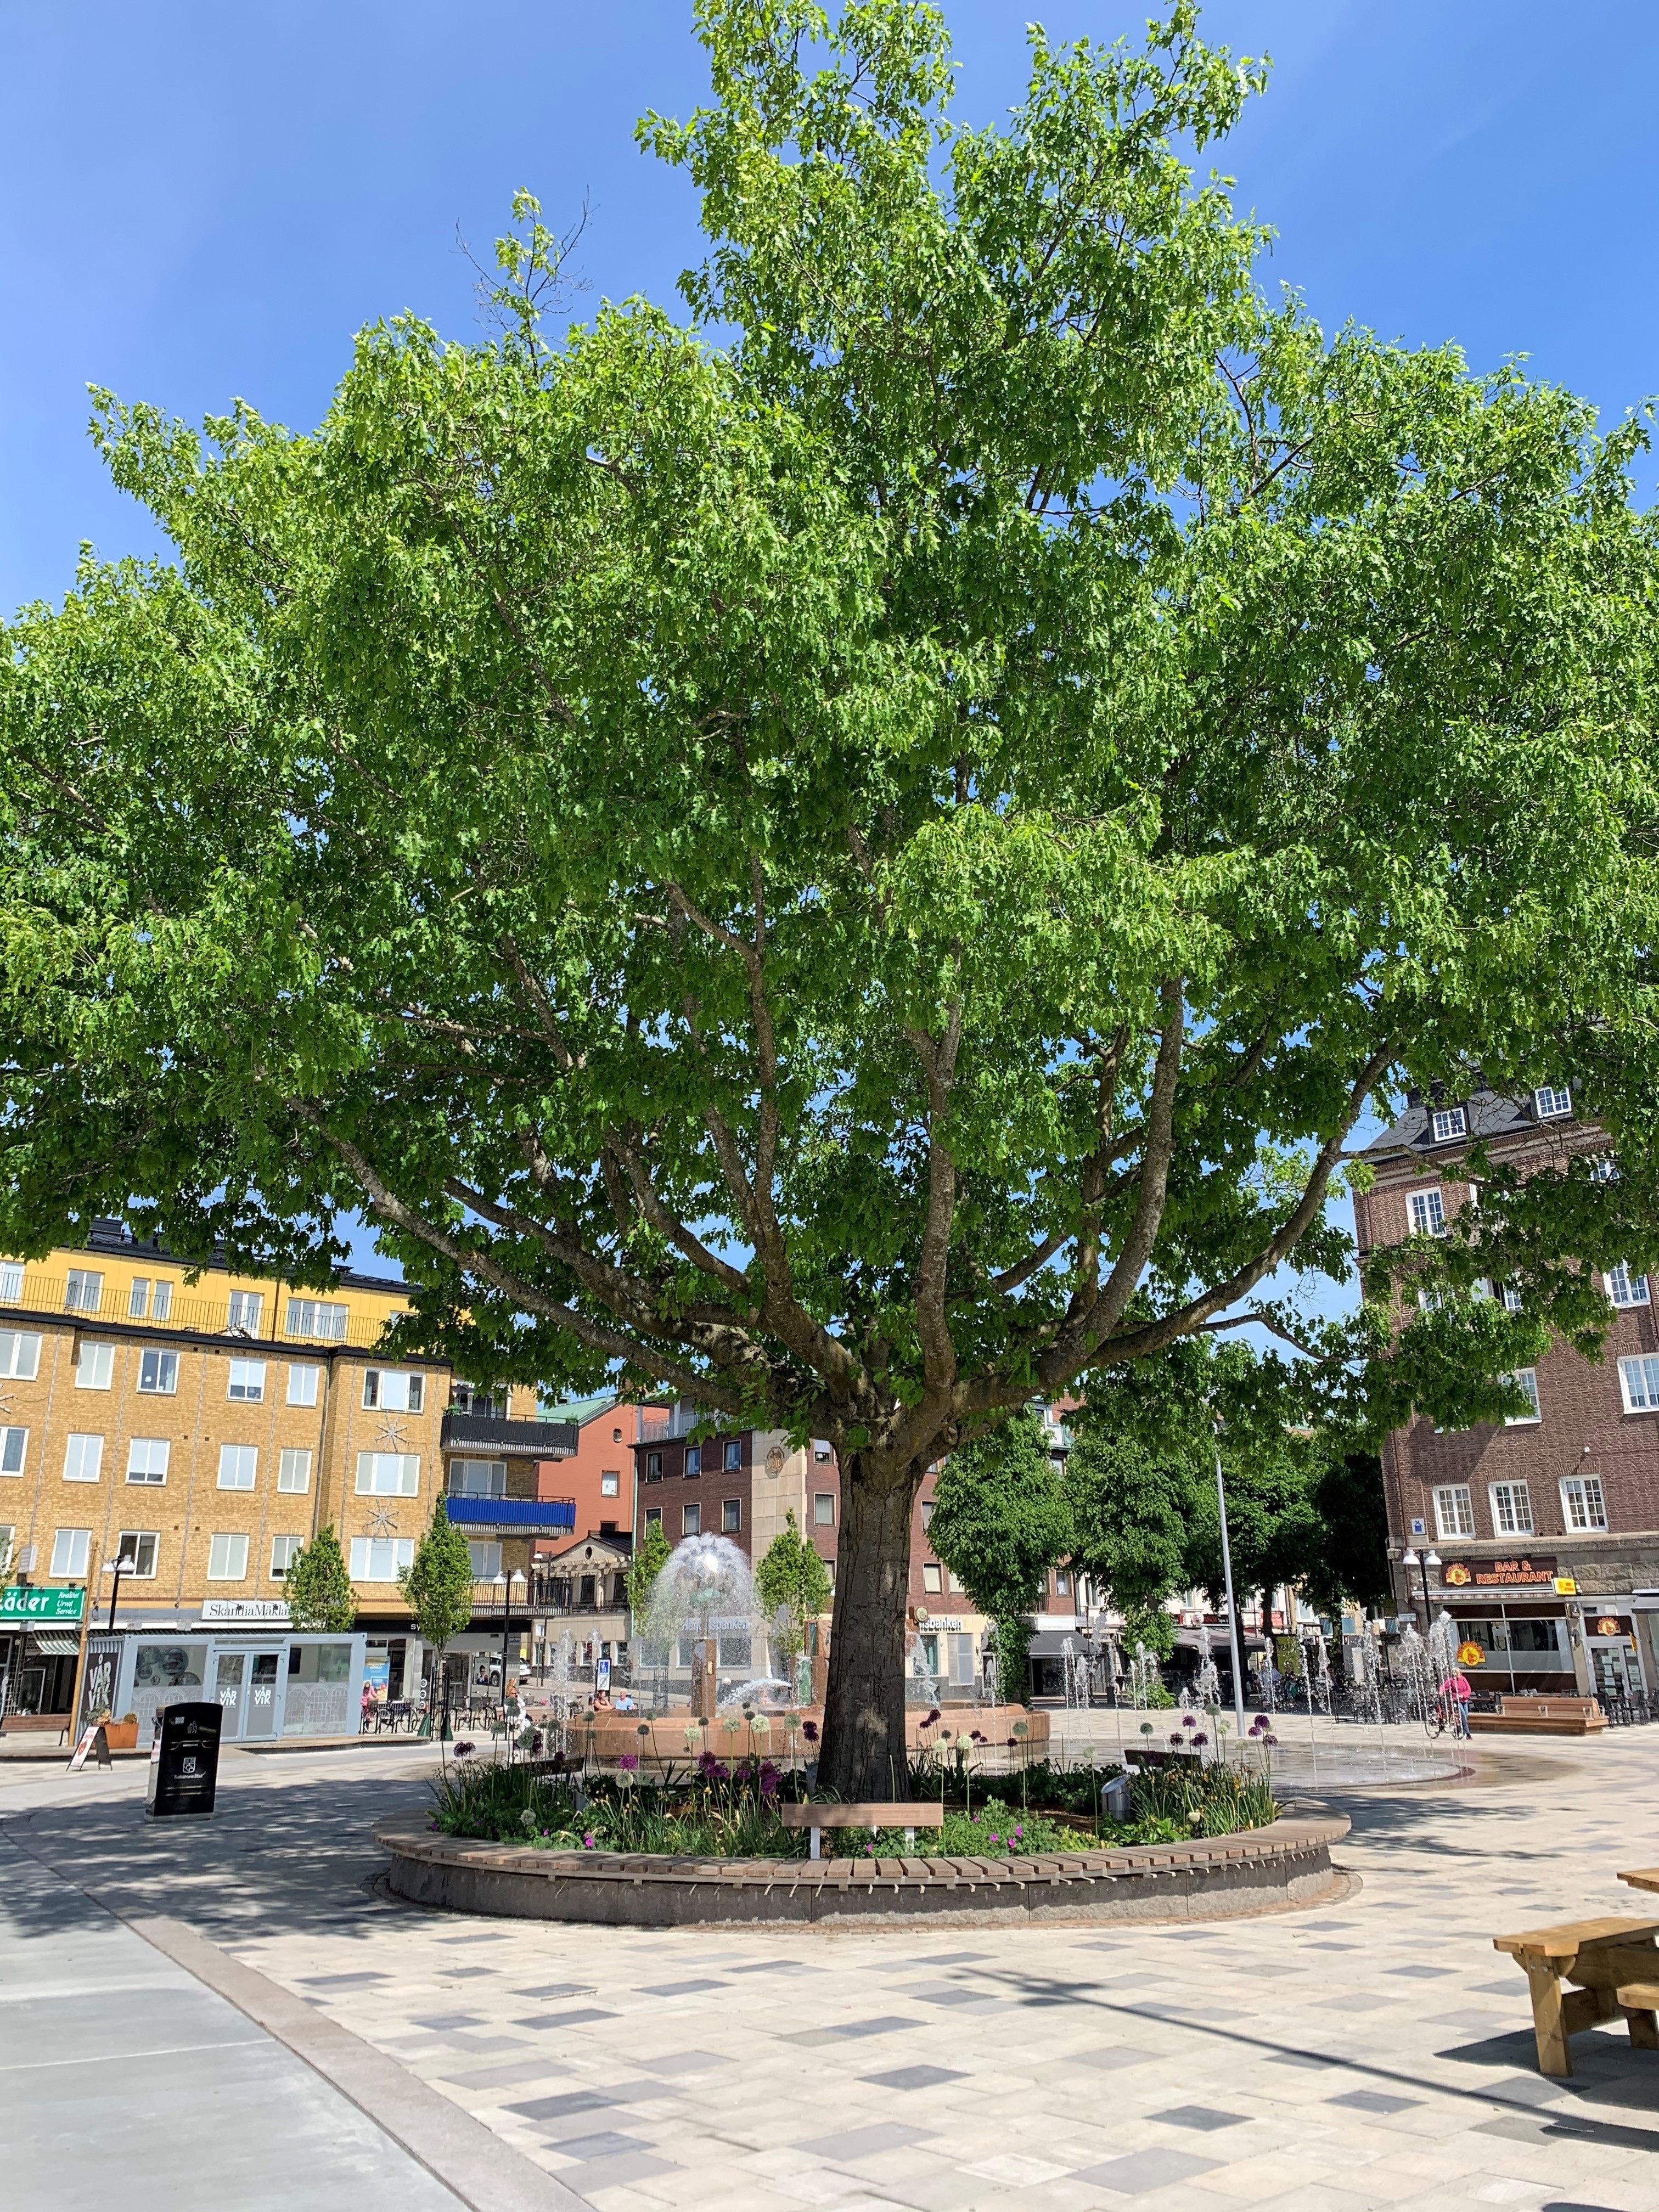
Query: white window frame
[[1512, 1509], [244, 1312], [734, 1456], [294, 1471], [653, 1513], [71, 1548], [478, 1478], [1583, 1503], [820, 1499], [394, 1552], [693, 1462], [94, 1366], [388, 1474], [1638, 1383], [1447, 1122], [238, 1467], [731, 1516], [303, 1379], [138, 1538], [1526, 1379], [692, 1518], [1624, 1289], [245, 1385], [932, 1577], [1453, 1512], [316, 1317], [390, 1389], [161, 1367], [141, 1452], [84, 1291], [1551, 1102], [283, 1550], [12, 1451], [83, 1457], [226, 1564], [19, 1355], [11, 1281], [1427, 1210], [609, 1482], [485, 1553]]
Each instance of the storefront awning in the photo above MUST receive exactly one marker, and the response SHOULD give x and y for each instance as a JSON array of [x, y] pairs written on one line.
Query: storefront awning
[[55, 1647]]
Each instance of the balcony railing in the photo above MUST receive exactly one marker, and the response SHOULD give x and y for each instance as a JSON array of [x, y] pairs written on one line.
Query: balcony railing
[[490, 1438], [49, 1295]]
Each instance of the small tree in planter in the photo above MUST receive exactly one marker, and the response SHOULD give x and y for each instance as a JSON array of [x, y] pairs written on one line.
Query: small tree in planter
[[1001, 1520], [792, 1584], [320, 1591], [438, 1585]]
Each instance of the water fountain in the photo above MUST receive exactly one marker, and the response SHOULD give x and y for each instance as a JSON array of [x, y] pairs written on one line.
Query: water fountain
[[704, 1616], [1207, 1683]]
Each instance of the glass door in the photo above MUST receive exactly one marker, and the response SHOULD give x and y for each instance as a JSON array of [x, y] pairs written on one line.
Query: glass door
[[259, 1716]]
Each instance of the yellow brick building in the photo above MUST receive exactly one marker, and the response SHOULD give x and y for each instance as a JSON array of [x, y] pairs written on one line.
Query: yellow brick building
[[208, 1429]]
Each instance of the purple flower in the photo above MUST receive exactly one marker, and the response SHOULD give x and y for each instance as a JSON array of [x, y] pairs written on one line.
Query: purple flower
[[464, 1750], [1020, 1832], [1010, 1743], [869, 1851], [931, 1720], [1201, 1738], [1010, 1844], [628, 1761], [997, 1840], [1269, 1737], [1188, 1721], [1176, 1737], [977, 1737], [588, 1843], [809, 1730]]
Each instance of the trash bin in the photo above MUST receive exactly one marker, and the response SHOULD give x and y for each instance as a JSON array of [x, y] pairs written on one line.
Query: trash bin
[[1115, 1802], [184, 1767]]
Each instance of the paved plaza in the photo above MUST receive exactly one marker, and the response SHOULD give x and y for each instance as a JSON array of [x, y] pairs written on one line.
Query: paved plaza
[[1375, 2051]]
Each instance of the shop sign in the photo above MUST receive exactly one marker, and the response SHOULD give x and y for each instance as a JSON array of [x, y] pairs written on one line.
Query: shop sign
[[260, 1610], [952, 1623], [1471, 1655], [1565, 1586], [1608, 1626], [1530, 1573], [18, 1601]]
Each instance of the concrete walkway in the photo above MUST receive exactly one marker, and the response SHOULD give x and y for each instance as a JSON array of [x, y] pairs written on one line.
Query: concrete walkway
[[1376, 2053]]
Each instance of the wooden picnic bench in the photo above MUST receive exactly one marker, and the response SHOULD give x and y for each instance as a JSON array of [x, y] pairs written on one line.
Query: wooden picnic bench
[[816, 1818], [1613, 1966], [1531, 1713]]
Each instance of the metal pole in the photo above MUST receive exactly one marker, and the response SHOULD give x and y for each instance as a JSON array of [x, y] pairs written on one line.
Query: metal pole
[[116, 1592], [1235, 1626]]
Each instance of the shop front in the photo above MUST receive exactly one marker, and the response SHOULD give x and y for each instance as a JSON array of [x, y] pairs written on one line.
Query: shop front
[[1514, 1621], [39, 1651], [269, 1680]]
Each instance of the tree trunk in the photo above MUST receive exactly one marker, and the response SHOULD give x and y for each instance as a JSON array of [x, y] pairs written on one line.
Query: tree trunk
[[863, 1758]]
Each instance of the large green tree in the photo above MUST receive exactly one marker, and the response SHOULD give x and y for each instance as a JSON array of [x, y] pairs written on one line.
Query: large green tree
[[861, 856]]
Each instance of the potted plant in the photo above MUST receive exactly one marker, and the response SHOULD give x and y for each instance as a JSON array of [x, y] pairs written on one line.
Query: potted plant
[[122, 1735]]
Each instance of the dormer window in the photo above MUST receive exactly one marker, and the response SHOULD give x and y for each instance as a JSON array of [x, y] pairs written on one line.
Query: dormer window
[[1550, 1102], [1447, 1122]]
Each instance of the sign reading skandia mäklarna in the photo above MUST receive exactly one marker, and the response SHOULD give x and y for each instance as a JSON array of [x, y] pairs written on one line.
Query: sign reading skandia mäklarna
[[20, 1601], [260, 1611], [1532, 1572]]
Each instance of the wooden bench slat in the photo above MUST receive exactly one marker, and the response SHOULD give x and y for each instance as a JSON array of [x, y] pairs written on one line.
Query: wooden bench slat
[[1570, 1936], [925, 1814]]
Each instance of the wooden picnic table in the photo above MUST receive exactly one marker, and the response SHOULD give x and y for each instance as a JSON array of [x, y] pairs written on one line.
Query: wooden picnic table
[[1641, 1877], [1613, 1965]]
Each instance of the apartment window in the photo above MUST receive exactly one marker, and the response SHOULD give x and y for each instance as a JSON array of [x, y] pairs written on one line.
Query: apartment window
[[388, 1474], [302, 1381], [654, 1466], [955, 1580], [822, 1450], [693, 1461], [238, 1466], [393, 1390], [83, 1458], [1449, 1122], [84, 1292], [653, 1513], [1428, 1213], [1639, 1381], [158, 1373], [247, 1309], [383, 1558], [1582, 1505], [284, 1550], [138, 1298], [138, 1544], [824, 1509], [227, 1558], [733, 1458], [1526, 1381], [69, 1548], [486, 1559], [1550, 1102], [20, 1356], [247, 1379], [1511, 1298], [731, 1516], [8, 1538], [926, 1511], [1454, 1510], [587, 1590], [932, 1578], [1626, 1289], [94, 1365], [293, 1472], [1511, 1510], [478, 1478], [146, 1460], [691, 1520], [1604, 1169], [14, 1444], [11, 1281], [1062, 1583], [609, 1482], [312, 1317]]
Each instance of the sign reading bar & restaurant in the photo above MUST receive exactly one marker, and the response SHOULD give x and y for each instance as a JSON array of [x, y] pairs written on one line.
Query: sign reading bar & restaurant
[[1530, 1573], [18, 1601]]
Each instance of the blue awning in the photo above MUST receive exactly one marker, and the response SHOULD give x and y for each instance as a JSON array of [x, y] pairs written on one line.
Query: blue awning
[[513, 1516]]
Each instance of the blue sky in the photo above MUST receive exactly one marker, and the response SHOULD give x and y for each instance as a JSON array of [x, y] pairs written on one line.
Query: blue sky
[[199, 203]]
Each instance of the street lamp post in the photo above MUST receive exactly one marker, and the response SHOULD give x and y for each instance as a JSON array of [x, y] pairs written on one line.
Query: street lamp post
[[126, 1564], [1235, 1626], [1410, 1559], [506, 1589]]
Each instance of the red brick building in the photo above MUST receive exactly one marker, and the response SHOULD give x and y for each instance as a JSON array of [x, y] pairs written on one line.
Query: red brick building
[[1541, 1534]]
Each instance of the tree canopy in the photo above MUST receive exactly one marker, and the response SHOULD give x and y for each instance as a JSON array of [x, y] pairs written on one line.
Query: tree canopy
[[319, 1591], [860, 854]]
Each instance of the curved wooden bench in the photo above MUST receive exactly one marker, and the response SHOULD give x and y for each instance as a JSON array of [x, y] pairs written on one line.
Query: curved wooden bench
[[816, 1818]]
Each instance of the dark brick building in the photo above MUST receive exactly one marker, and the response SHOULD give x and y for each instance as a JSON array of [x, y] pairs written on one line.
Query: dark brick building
[[1540, 1534]]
